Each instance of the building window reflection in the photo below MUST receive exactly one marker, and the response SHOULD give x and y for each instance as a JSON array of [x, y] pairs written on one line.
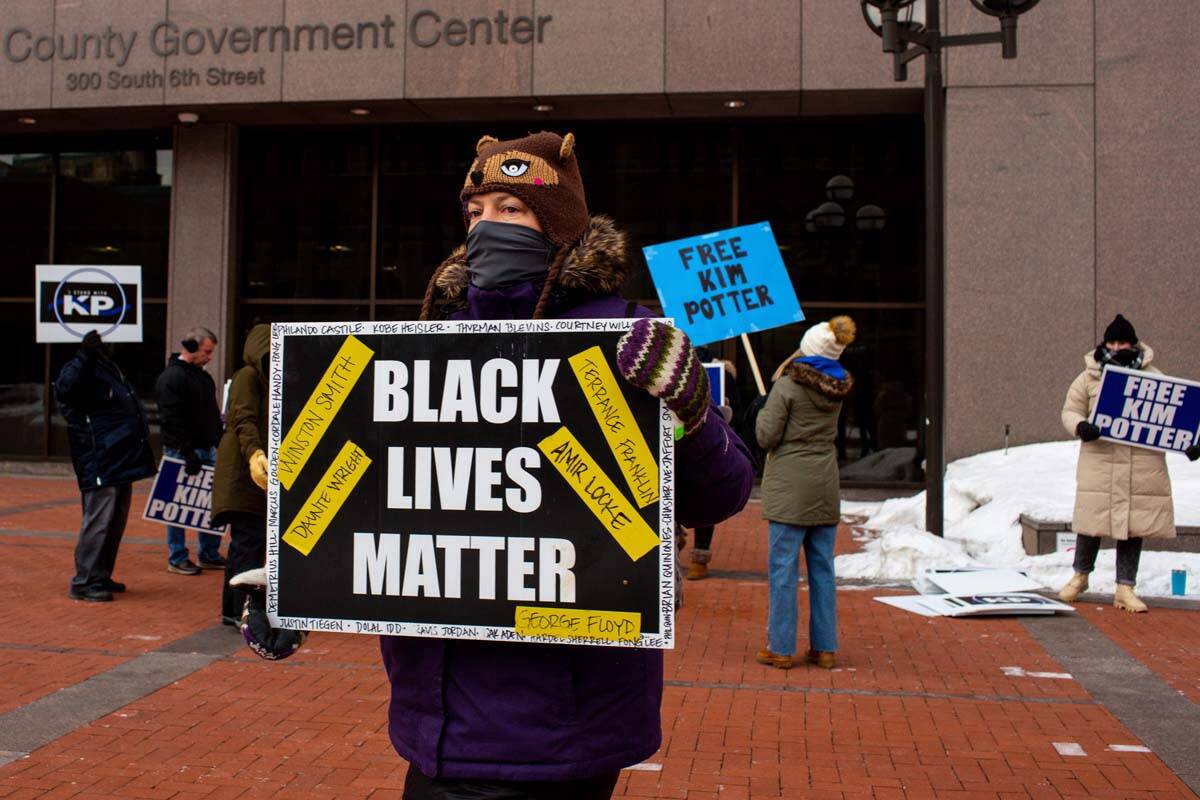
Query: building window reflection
[[313, 202], [77, 202]]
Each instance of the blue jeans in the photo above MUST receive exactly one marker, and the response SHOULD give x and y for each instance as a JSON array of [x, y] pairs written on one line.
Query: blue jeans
[[209, 545], [783, 559]]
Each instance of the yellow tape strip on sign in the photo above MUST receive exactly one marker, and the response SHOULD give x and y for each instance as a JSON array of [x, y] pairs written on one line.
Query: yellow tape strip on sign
[[572, 623], [599, 493], [323, 405], [617, 423], [323, 504]]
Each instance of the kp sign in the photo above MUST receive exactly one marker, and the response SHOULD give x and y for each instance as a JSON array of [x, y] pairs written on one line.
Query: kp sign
[[72, 300]]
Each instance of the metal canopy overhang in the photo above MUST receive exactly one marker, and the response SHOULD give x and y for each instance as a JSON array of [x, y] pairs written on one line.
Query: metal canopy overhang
[[707, 106]]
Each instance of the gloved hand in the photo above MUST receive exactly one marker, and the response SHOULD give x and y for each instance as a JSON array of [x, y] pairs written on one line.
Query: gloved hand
[[192, 462], [273, 644], [258, 469], [91, 346], [659, 358], [1193, 452], [1087, 431]]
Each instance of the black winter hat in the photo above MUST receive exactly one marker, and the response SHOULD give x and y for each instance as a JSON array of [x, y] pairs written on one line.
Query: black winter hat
[[1120, 330]]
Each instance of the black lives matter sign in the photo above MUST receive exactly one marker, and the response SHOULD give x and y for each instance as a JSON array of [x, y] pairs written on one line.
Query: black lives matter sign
[[479, 480]]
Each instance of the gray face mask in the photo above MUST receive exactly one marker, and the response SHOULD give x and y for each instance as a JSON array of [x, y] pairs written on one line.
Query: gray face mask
[[502, 254]]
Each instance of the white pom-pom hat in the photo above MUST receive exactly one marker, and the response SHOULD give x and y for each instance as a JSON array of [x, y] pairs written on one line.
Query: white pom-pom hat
[[828, 339]]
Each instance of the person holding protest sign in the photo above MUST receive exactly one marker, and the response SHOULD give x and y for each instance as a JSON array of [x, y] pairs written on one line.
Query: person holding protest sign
[[110, 449], [1122, 492], [798, 429], [701, 552], [239, 486], [486, 719], [191, 429]]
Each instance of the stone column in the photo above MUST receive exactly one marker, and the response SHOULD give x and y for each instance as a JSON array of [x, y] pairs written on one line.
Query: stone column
[[1020, 225], [201, 287]]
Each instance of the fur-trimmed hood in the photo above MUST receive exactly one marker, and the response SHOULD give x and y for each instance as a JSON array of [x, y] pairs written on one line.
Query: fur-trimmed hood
[[819, 382], [597, 265]]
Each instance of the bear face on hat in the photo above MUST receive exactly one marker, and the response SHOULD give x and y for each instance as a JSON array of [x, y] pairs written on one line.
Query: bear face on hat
[[540, 170]]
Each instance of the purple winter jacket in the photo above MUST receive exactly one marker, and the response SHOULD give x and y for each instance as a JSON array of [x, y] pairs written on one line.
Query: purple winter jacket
[[514, 711]]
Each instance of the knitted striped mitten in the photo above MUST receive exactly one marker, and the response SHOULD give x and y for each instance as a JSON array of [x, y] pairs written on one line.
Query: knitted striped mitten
[[659, 358]]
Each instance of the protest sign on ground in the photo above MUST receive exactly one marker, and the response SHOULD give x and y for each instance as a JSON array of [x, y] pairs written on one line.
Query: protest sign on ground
[[1147, 410], [74, 299], [973, 580], [482, 480], [977, 605], [722, 284], [181, 499]]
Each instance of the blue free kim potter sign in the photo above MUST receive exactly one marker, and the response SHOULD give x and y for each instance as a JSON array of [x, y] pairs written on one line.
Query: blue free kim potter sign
[[723, 284], [1147, 409], [181, 499]]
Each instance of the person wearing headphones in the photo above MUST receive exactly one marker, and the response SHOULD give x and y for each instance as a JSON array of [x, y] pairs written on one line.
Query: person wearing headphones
[[191, 428]]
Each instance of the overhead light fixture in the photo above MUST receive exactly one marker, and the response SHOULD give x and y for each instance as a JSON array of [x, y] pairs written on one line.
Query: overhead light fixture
[[361, 112], [870, 218], [543, 108], [735, 103], [106, 249], [839, 187], [187, 118], [339, 248], [27, 120], [829, 215]]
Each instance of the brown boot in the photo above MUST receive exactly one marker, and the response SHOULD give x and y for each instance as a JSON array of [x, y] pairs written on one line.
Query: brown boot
[[1126, 600], [1074, 587], [698, 569], [823, 659], [765, 656]]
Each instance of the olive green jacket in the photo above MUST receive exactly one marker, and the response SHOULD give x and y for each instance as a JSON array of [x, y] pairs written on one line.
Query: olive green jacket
[[798, 427], [245, 432]]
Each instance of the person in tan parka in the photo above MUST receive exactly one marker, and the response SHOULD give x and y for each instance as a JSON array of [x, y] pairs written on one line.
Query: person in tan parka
[[1122, 492]]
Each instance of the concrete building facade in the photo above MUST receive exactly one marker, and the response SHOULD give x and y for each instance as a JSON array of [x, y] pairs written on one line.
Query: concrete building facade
[[1070, 178]]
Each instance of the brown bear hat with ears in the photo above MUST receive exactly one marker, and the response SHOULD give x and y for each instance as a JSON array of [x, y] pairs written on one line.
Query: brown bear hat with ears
[[541, 170]]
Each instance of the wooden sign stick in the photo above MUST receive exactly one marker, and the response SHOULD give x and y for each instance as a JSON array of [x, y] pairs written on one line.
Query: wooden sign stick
[[753, 364]]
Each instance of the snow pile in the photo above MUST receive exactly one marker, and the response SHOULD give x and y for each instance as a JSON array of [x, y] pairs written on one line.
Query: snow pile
[[985, 497], [900, 554]]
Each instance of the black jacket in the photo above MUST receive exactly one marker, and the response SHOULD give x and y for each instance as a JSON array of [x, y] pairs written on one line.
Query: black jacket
[[106, 424], [187, 406]]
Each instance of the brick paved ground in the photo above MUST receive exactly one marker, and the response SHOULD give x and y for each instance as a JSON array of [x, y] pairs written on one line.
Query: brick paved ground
[[918, 708], [1167, 641]]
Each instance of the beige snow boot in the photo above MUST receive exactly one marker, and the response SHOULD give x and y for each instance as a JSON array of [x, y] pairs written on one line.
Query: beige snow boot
[[1075, 587], [698, 569], [1126, 600]]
